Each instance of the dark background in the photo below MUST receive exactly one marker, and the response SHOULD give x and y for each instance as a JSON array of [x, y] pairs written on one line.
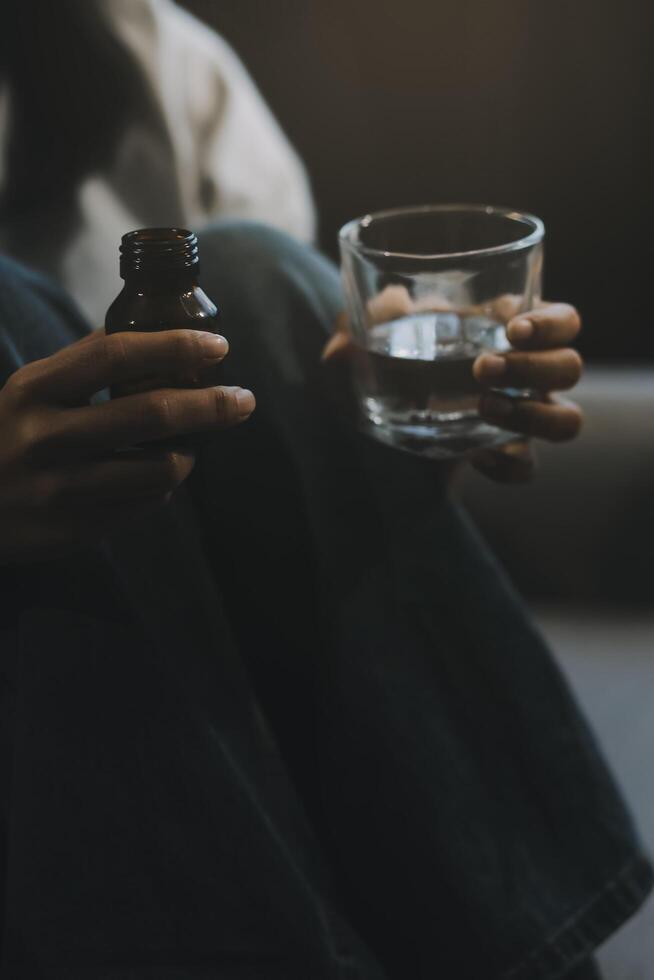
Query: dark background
[[538, 104]]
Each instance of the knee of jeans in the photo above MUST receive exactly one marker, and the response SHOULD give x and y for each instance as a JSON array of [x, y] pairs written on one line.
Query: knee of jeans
[[233, 239], [257, 272]]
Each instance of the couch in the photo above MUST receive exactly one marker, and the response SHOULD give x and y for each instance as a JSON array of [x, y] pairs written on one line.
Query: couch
[[578, 543]]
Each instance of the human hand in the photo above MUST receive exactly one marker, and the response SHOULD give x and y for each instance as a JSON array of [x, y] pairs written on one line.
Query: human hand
[[64, 482], [543, 361]]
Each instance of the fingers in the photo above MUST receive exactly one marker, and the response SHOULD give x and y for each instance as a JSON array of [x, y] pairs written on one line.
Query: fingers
[[512, 463], [553, 370], [552, 326], [136, 419], [505, 307], [556, 421], [341, 350], [340, 340], [393, 301], [100, 361], [93, 335], [129, 476], [339, 347]]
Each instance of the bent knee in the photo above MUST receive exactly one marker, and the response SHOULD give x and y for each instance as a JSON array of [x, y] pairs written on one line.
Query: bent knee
[[254, 267], [237, 245]]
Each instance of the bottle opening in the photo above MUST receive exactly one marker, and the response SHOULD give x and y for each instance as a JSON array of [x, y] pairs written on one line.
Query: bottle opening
[[152, 250]]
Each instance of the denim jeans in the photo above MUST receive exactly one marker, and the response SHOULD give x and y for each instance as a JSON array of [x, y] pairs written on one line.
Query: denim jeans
[[297, 725]]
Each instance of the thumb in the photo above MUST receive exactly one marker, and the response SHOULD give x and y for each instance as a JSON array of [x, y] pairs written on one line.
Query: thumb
[[340, 342]]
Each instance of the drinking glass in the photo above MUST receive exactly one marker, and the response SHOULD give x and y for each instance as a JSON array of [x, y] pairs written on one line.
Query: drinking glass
[[427, 290]]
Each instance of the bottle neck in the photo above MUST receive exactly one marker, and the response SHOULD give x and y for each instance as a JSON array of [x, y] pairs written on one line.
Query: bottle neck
[[157, 257]]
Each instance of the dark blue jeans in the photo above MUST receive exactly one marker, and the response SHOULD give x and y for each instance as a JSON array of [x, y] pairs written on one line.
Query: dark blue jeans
[[297, 725]]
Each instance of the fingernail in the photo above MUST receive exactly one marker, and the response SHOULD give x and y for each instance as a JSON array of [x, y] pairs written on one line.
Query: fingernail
[[245, 402], [496, 407], [491, 366], [520, 330], [213, 345]]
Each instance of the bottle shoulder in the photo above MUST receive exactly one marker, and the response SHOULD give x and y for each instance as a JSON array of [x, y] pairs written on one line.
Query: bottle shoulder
[[146, 309]]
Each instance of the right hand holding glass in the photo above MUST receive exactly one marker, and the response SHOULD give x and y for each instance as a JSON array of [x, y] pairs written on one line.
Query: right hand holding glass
[[543, 361]]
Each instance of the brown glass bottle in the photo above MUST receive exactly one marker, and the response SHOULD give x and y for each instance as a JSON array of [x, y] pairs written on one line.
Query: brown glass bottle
[[160, 267]]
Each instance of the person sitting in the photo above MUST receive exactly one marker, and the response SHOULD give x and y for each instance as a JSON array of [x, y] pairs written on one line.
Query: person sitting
[[258, 720]]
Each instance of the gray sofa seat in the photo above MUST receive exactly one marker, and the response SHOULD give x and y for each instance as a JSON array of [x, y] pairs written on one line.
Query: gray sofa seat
[[579, 544]]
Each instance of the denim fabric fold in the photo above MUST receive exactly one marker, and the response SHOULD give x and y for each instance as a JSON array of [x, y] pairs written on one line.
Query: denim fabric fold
[[299, 724]]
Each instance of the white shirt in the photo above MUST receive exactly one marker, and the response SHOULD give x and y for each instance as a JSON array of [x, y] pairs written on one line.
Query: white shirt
[[217, 151]]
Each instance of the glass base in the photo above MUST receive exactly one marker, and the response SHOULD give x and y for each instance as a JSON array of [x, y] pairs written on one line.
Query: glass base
[[443, 441]]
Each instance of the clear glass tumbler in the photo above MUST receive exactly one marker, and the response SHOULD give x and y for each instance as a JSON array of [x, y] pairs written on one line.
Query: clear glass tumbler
[[427, 290]]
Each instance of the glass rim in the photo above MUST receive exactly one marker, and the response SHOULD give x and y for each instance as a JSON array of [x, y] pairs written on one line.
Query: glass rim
[[348, 234]]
